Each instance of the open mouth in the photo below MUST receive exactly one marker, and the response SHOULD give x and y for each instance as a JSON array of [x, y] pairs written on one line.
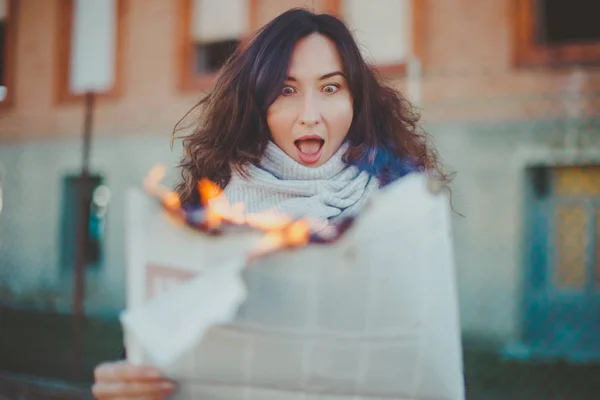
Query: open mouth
[[309, 148]]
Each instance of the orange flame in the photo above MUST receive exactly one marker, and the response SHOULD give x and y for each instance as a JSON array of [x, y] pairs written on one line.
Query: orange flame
[[218, 209], [171, 201], [295, 234], [169, 198], [208, 190], [268, 220], [280, 230]]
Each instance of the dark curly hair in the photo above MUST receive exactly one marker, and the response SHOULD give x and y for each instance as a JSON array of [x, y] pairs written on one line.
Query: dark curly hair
[[229, 125]]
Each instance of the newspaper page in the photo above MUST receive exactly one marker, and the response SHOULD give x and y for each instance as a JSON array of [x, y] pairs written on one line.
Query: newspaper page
[[373, 315]]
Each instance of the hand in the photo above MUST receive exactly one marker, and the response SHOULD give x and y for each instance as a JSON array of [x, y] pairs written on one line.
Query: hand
[[121, 380]]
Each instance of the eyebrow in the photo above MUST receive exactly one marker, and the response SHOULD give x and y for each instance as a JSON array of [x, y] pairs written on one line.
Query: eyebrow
[[326, 76]]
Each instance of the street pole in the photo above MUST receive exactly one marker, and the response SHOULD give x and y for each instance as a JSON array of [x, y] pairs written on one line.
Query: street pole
[[82, 236]]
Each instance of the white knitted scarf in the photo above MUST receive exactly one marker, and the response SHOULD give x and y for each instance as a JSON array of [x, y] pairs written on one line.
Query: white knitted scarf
[[328, 192]]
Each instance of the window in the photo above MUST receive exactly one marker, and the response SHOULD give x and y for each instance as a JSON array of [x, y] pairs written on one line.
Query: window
[[386, 33], [212, 55], [213, 29], [212, 32], [564, 22], [3, 18], [7, 37], [557, 32], [90, 47]]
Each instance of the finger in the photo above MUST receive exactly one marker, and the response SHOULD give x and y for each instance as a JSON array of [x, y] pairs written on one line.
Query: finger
[[140, 398], [123, 371], [115, 390]]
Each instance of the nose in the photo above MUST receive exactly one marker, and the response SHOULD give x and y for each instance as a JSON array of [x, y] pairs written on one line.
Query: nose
[[309, 115]]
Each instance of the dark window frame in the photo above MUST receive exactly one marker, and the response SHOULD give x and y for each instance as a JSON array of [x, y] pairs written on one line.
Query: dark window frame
[[9, 52], [190, 78], [529, 52]]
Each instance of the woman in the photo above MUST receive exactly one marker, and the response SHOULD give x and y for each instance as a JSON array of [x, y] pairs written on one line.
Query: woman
[[299, 122]]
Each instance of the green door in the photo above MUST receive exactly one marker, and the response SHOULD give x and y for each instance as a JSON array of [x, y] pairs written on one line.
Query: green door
[[563, 285]]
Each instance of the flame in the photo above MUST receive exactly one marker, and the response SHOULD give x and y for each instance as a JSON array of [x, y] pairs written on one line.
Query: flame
[[171, 201], [152, 185], [218, 209], [280, 230], [295, 234], [268, 220], [208, 191]]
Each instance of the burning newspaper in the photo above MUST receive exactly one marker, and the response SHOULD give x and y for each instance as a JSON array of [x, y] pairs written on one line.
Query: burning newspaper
[[265, 310]]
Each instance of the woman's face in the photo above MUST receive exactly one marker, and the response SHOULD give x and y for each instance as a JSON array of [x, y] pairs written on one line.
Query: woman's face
[[311, 117]]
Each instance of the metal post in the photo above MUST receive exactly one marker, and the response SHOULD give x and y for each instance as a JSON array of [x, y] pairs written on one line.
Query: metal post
[[83, 204]]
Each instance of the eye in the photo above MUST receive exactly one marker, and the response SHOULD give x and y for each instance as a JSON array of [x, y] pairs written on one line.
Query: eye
[[288, 90], [331, 88]]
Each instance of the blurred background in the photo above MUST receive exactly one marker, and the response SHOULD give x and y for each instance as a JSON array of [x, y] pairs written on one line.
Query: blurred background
[[91, 90]]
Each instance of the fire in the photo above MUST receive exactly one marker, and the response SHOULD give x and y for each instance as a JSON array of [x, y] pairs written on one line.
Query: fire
[[295, 234], [292, 235], [208, 191], [152, 185], [171, 201], [280, 230], [218, 209], [268, 220]]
